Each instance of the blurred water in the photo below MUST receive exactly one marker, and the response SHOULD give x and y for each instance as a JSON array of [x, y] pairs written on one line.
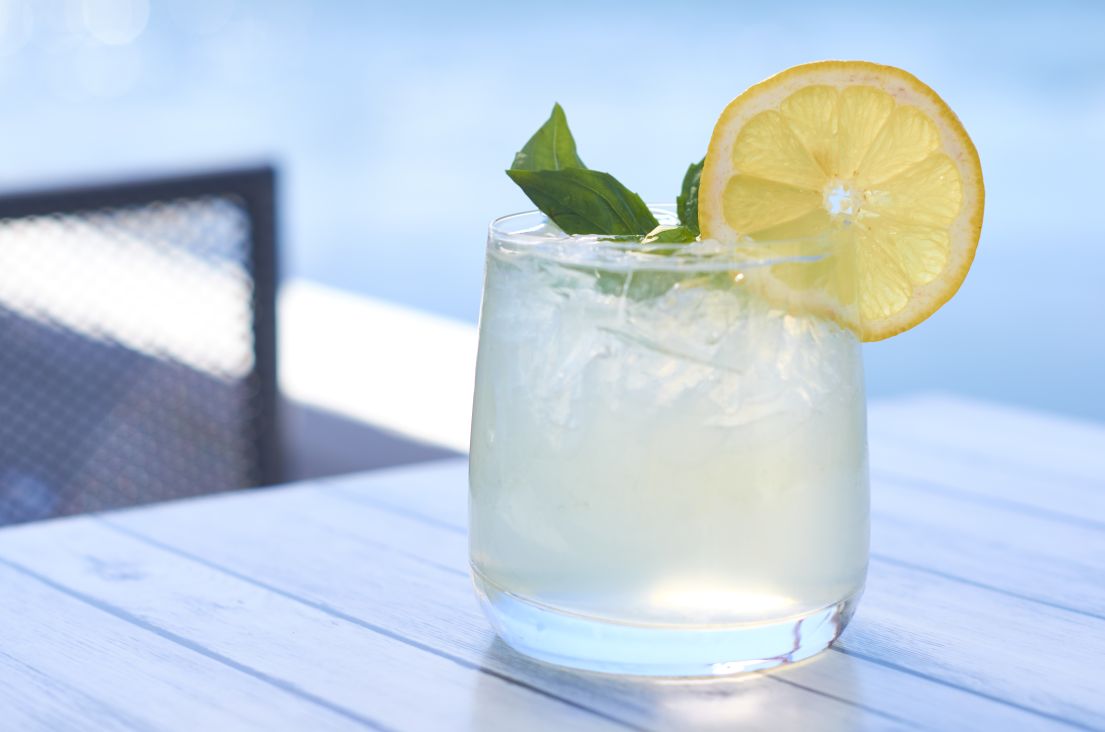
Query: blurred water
[[393, 126]]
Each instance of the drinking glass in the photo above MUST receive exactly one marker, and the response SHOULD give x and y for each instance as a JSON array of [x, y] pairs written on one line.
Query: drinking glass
[[668, 467]]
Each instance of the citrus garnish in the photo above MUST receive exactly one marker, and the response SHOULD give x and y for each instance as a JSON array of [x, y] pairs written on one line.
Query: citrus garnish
[[851, 146]]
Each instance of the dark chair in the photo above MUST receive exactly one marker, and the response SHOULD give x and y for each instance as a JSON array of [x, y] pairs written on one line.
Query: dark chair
[[137, 343]]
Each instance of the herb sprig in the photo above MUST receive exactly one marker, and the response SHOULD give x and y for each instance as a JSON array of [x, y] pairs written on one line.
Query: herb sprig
[[583, 201]]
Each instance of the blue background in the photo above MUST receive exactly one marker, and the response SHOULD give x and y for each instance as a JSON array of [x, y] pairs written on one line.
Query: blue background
[[392, 127]]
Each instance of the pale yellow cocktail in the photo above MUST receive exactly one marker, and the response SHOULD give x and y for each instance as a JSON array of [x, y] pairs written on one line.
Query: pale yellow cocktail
[[669, 461], [662, 457]]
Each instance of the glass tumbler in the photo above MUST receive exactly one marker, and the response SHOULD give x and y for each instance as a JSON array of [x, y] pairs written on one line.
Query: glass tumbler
[[668, 470]]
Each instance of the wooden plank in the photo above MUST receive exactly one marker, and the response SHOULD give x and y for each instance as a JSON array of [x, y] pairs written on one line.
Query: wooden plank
[[1044, 551], [361, 671], [435, 492], [1037, 557], [965, 662], [1043, 558], [986, 483], [33, 700], [1036, 658], [70, 665], [433, 605], [1046, 445], [405, 558]]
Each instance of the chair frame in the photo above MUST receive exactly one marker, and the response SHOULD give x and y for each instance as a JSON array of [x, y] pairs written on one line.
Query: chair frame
[[256, 187]]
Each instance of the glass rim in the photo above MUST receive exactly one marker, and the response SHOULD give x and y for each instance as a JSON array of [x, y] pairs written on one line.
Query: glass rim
[[520, 234]]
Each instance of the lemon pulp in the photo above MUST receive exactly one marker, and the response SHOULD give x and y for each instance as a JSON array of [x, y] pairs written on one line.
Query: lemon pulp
[[851, 145]]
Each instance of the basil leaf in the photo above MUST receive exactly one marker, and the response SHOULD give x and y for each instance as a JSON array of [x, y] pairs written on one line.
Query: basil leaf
[[686, 204], [670, 235], [551, 147], [582, 201], [578, 200]]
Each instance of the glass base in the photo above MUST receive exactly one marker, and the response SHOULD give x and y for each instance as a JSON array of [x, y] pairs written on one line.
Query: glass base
[[582, 642]]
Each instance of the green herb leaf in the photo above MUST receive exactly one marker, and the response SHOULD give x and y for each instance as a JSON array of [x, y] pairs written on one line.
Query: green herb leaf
[[582, 201], [670, 235], [578, 200], [686, 204], [551, 147]]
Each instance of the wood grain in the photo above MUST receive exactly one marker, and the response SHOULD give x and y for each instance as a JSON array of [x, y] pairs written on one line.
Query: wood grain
[[1041, 558], [983, 548], [429, 600], [365, 674], [1064, 449], [69, 665], [1073, 500], [346, 604], [447, 618]]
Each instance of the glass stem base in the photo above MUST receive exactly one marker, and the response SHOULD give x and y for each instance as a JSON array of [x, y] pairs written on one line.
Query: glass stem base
[[582, 642]]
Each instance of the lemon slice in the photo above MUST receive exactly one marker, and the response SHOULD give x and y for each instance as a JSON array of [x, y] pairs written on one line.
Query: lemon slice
[[857, 148]]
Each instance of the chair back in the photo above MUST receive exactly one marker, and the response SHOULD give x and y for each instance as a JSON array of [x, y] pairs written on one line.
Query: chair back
[[137, 342]]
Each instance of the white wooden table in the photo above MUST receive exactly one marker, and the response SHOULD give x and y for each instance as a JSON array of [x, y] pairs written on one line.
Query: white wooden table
[[346, 605]]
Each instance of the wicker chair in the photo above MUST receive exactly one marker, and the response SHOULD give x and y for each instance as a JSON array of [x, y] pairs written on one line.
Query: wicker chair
[[137, 343]]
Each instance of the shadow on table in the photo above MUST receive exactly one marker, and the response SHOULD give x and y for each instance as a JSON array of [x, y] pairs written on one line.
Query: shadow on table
[[780, 698], [90, 424], [319, 444]]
